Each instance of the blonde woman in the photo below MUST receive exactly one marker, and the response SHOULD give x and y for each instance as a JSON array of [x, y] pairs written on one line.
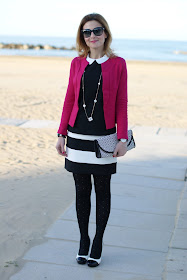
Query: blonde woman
[[96, 100]]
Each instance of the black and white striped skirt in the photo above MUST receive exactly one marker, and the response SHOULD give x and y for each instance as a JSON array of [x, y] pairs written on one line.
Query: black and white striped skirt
[[81, 156]]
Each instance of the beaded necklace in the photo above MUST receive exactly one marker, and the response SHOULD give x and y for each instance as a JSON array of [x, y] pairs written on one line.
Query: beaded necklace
[[95, 100]]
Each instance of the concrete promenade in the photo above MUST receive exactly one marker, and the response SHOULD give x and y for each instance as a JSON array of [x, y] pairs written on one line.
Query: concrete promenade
[[146, 234]]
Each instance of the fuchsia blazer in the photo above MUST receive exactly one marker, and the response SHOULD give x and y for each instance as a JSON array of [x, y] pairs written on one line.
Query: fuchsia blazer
[[115, 99]]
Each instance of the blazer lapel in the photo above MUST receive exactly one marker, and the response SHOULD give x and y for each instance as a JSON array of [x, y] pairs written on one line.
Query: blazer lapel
[[80, 70], [106, 70]]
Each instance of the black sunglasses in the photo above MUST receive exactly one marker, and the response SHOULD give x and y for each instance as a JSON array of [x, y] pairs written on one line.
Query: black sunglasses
[[98, 31]]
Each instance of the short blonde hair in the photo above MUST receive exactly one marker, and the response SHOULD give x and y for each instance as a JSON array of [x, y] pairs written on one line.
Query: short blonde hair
[[81, 46]]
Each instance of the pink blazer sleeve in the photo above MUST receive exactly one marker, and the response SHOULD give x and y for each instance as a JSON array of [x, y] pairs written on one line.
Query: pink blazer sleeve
[[68, 103], [122, 104]]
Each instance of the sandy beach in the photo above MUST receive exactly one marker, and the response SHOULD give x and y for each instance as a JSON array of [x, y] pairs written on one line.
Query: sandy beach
[[35, 188]]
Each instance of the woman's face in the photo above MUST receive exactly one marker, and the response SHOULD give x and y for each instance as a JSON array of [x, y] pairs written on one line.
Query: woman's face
[[94, 42]]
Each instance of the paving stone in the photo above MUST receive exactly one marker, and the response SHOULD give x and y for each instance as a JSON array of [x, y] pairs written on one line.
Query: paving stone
[[176, 276], [172, 131], [39, 271], [161, 138], [179, 239], [147, 181], [127, 187], [61, 229], [160, 145], [185, 195], [113, 258], [139, 239], [40, 124], [183, 206], [177, 261], [139, 129], [145, 200], [131, 219], [14, 122], [151, 160], [114, 236], [185, 192], [182, 221], [160, 172], [162, 153]]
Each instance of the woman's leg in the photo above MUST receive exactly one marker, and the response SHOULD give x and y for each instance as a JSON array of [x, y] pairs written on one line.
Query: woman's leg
[[83, 185], [103, 206]]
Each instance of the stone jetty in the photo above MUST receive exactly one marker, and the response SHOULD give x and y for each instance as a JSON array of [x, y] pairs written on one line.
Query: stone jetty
[[35, 47]]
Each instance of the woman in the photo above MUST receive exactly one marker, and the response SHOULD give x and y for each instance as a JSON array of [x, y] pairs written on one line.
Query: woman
[[96, 99]]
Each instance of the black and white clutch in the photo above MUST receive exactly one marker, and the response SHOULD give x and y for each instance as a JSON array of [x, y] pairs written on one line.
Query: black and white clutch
[[105, 145]]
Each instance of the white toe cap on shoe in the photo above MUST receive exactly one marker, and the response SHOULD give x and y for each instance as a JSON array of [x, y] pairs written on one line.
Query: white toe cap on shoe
[[81, 256]]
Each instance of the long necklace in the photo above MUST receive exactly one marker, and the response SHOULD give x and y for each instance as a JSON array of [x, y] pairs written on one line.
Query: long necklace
[[95, 100]]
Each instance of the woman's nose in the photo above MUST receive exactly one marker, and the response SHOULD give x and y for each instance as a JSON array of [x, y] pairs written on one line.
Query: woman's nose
[[92, 35]]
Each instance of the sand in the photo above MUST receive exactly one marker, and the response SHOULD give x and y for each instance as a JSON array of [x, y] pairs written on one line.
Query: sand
[[34, 186]]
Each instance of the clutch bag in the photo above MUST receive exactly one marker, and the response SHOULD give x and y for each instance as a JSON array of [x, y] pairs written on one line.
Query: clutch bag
[[105, 145]]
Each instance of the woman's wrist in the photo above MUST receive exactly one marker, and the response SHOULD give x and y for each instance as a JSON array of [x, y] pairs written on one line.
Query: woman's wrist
[[123, 140], [61, 135]]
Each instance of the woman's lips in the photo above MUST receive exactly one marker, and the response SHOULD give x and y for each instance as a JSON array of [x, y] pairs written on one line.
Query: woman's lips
[[93, 41]]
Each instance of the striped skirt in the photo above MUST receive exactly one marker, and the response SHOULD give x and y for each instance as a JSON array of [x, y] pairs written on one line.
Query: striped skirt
[[81, 156]]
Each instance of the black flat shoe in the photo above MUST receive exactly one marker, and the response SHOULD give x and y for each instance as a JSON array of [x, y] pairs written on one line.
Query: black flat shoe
[[81, 259], [93, 262]]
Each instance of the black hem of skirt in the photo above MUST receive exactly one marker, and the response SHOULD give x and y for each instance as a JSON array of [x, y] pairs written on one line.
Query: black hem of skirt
[[90, 168]]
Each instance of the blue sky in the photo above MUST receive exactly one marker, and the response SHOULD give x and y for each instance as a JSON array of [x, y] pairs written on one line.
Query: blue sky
[[131, 19]]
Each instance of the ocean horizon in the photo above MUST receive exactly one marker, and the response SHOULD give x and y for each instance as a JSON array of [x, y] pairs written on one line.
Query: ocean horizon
[[129, 49]]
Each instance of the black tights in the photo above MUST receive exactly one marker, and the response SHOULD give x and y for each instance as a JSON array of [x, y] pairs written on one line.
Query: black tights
[[83, 185]]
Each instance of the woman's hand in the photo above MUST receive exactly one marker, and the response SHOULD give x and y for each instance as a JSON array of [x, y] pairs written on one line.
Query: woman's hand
[[60, 146], [120, 150]]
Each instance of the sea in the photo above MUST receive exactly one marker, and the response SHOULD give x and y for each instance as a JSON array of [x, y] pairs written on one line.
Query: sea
[[129, 49]]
